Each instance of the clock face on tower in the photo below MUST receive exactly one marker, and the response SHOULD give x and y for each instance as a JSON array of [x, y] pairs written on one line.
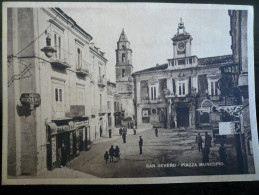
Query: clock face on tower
[[181, 46]]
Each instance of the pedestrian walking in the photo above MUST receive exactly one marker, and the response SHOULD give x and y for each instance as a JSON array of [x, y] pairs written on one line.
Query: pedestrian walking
[[110, 133], [156, 132], [63, 155], [117, 153], [134, 130], [106, 157], [124, 134], [208, 139], [199, 141], [111, 153], [140, 144], [120, 131], [222, 153], [205, 154]]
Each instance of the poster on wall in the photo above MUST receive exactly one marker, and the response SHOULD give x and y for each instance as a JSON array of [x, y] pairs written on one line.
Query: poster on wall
[[53, 149], [201, 91]]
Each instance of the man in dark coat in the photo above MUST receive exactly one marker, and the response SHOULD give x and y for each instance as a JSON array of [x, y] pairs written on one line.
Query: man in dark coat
[[199, 141], [222, 153], [205, 154], [208, 139], [111, 153], [117, 153], [124, 133], [156, 132], [140, 144], [106, 156]]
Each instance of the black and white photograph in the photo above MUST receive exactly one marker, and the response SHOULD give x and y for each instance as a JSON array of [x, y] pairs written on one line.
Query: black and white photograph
[[128, 93]]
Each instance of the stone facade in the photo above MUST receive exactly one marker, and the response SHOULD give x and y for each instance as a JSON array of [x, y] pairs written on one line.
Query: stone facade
[[169, 95], [72, 86], [238, 32], [124, 81]]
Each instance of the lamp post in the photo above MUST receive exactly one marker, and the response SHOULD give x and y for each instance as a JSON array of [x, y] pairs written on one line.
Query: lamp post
[[201, 109], [48, 50]]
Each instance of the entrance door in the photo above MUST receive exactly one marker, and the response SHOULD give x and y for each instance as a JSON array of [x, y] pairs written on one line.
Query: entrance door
[[182, 116]]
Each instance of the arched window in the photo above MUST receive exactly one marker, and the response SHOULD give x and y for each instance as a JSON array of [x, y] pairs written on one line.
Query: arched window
[[123, 72], [123, 57]]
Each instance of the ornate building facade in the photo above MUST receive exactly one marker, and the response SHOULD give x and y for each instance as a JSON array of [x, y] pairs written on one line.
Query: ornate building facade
[[169, 95]]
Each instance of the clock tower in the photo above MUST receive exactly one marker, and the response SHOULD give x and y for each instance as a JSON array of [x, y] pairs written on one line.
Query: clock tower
[[182, 42]]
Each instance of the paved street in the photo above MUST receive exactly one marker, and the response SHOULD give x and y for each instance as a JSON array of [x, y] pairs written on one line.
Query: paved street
[[171, 148]]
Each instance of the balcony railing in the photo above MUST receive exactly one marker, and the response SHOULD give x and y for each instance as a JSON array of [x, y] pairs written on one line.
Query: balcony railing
[[102, 82], [82, 68], [61, 58], [102, 109]]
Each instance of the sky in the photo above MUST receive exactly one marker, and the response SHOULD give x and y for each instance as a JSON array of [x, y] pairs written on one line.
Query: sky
[[150, 27]]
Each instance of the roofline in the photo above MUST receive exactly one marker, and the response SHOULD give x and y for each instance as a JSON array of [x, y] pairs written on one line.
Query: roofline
[[92, 50], [74, 24]]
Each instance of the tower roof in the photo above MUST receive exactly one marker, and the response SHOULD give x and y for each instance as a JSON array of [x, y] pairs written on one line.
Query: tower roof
[[183, 35], [123, 37]]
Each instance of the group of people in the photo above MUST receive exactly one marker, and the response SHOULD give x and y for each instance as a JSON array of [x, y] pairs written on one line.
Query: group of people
[[113, 155], [206, 150]]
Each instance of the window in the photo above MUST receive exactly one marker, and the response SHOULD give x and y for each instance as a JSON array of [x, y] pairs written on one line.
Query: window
[[182, 88], [79, 58], [181, 62], [123, 72], [153, 111], [153, 94], [123, 57], [58, 94], [58, 98], [57, 45], [213, 91], [80, 95]]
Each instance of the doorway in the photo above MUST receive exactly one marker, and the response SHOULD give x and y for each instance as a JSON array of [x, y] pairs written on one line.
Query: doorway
[[182, 116]]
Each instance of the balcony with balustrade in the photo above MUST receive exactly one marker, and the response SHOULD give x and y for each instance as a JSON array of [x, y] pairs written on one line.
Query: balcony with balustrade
[[102, 82], [82, 68], [60, 59], [102, 110]]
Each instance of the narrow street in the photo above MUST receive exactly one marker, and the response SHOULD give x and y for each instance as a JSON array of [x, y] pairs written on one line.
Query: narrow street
[[175, 149]]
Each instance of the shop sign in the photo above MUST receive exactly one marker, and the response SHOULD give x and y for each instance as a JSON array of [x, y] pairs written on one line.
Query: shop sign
[[71, 125], [53, 149], [62, 128], [77, 110], [30, 99], [228, 128], [82, 123]]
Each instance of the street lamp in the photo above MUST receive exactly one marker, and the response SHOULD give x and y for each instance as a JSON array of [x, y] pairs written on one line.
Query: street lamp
[[48, 50], [201, 109]]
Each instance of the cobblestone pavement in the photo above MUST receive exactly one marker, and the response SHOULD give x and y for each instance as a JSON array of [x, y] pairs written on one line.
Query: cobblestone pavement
[[171, 148]]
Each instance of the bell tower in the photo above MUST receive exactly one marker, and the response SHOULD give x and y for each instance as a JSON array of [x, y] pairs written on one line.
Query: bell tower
[[182, 42], [124, 69], [124, 66]]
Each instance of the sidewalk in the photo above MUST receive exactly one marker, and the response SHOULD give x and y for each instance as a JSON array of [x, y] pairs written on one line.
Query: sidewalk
[[59, 173]]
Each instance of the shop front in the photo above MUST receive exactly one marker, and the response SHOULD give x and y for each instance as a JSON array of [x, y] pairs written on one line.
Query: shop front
[[65, 140]]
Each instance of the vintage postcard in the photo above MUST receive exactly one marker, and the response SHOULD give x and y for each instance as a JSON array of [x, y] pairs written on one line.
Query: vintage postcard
[[128, 93]]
